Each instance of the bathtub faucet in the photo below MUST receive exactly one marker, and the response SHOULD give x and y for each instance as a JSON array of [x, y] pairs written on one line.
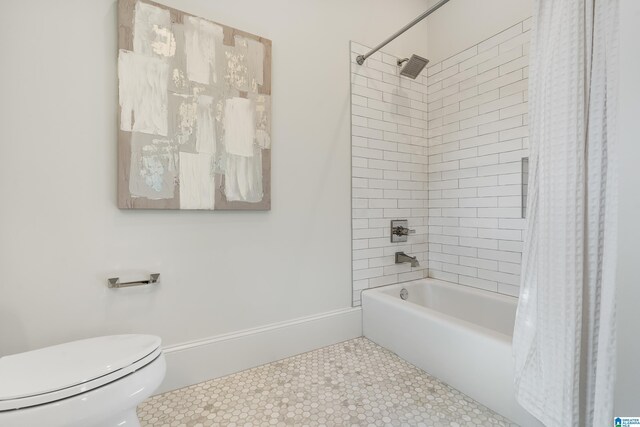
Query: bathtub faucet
[[402, 257]]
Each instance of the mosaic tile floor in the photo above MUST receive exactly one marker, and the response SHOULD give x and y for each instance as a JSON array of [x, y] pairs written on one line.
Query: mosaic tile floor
[[352, 383]]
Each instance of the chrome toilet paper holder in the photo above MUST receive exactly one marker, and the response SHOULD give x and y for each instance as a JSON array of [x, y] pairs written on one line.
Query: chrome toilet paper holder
[[114, 282]]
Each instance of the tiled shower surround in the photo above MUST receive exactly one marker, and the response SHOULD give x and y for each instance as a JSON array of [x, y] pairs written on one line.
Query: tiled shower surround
[[445, 152], [478, 135], [389, 170]]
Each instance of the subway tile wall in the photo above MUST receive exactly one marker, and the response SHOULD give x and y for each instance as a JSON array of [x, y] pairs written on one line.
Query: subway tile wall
[[445, 152], [389, 170], [477, 137]]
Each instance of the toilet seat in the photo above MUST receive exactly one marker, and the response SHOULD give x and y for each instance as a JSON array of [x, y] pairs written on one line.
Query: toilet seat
[[58, 372]]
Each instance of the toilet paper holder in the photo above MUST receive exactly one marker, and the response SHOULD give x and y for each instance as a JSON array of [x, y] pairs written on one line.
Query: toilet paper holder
[[114, 282]]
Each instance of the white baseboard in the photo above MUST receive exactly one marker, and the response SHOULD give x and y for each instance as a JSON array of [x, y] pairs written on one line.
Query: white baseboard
[[202, 360]]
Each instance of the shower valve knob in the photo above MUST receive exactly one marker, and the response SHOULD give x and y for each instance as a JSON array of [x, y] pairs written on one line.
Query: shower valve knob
[[400, 230], [403, 231]]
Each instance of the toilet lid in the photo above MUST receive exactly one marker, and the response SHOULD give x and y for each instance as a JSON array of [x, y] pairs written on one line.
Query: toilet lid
[[51, 369]]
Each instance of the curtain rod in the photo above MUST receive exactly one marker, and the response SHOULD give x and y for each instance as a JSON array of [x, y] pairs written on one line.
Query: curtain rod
[[361, 58]]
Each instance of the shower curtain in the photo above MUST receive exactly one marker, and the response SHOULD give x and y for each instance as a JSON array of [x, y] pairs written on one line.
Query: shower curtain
[[564, 338]]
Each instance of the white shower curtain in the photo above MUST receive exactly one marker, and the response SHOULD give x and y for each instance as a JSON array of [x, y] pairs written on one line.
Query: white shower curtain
[[564, 338]]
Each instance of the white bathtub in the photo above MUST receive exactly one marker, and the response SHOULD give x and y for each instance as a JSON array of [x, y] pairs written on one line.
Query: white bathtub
[[459, 335]]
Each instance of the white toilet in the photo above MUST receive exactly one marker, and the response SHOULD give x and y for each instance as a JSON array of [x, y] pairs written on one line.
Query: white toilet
[[97, 382]]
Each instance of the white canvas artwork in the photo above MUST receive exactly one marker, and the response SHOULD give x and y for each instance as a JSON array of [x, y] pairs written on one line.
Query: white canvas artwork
[[195, 112]]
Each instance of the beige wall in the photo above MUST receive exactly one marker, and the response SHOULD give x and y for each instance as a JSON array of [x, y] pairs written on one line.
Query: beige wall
[[61, 234], [627, 391]]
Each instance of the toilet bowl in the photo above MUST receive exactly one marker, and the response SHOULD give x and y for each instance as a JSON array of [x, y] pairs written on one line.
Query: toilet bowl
[[97, 382]]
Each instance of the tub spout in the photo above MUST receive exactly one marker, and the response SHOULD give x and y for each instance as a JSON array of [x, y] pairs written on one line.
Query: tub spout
[[401, 257]]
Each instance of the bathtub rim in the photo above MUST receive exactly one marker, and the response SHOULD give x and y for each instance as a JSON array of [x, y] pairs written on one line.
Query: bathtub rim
[[383, 294]]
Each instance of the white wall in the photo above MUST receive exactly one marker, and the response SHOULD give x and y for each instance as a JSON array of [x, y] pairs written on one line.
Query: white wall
[[478, 134], [460, 24], [389, 170], [627, 392], [61, 234]]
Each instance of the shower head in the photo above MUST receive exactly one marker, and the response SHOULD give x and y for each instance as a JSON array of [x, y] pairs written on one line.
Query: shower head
[[413, 66]]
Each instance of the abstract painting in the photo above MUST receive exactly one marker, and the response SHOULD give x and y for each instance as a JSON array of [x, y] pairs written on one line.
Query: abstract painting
[[194, 123]]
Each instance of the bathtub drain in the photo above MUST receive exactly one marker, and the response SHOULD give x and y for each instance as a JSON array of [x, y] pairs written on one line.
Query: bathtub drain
[[404, 293]]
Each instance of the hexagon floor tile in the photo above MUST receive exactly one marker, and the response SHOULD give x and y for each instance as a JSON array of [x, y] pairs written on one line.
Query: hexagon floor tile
[[354, 383]]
